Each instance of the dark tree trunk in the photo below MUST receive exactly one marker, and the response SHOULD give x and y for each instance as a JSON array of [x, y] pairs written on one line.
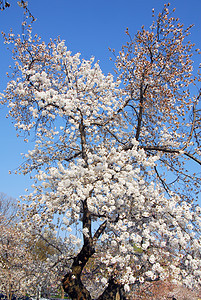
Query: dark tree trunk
[[74, 287], [114, 291], [72, 283]]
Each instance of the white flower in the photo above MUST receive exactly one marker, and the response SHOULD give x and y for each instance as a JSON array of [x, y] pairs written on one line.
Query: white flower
[[138, 267], [85, 232], [141, 279], [157, 267], [113, 260], [122, 249], [65, 221], [152, 259], [145, 245], [131, 279], [104, 237], [149, 274], [104, 280], [113, 243], [126, 288]]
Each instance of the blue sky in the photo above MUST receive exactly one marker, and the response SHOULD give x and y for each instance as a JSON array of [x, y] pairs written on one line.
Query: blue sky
[[89, 27]]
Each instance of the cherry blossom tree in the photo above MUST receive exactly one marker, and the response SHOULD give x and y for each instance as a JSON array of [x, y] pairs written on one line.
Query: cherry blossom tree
[[114, 159], [24, 262], [13, 260]]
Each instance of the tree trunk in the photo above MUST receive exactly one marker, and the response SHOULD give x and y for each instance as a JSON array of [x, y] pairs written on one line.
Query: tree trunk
[[72, 283], [114, 291], [74, 287], [62, 292]]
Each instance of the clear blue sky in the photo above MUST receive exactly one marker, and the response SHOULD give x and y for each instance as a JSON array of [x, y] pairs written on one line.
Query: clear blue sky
[[89, 27]]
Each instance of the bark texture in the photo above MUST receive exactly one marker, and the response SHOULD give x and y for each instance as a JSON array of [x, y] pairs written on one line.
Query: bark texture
[[72, 283], [114, 291], [74, 287]]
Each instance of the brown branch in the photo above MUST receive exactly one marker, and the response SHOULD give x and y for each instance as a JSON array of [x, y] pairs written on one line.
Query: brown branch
[[86, 221], [193, 124], [83, 138], [49, 243], [172, 151], [165, 150], [100, 230], [73, 156], [140, 114], [110, 132], [193, 157], [161, 180]]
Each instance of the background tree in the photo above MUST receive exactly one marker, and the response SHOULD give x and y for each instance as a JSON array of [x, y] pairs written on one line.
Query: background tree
[[28, 265], [15, 261], [8, 208], [47, 251], [105, 151], [25, 265]]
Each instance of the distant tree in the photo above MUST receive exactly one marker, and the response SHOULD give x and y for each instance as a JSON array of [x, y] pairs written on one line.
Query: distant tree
[[44, 247], [15, 261], [47, 252], [160, 290], [114, 160], [8, 208], [28, 265], [24, 261]]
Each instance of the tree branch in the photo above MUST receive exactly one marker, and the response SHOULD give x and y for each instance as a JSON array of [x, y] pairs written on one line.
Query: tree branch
[[165, 150], [100, 230]]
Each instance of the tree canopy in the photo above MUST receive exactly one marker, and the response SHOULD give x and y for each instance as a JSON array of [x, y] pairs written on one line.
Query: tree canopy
[[114, 156]]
